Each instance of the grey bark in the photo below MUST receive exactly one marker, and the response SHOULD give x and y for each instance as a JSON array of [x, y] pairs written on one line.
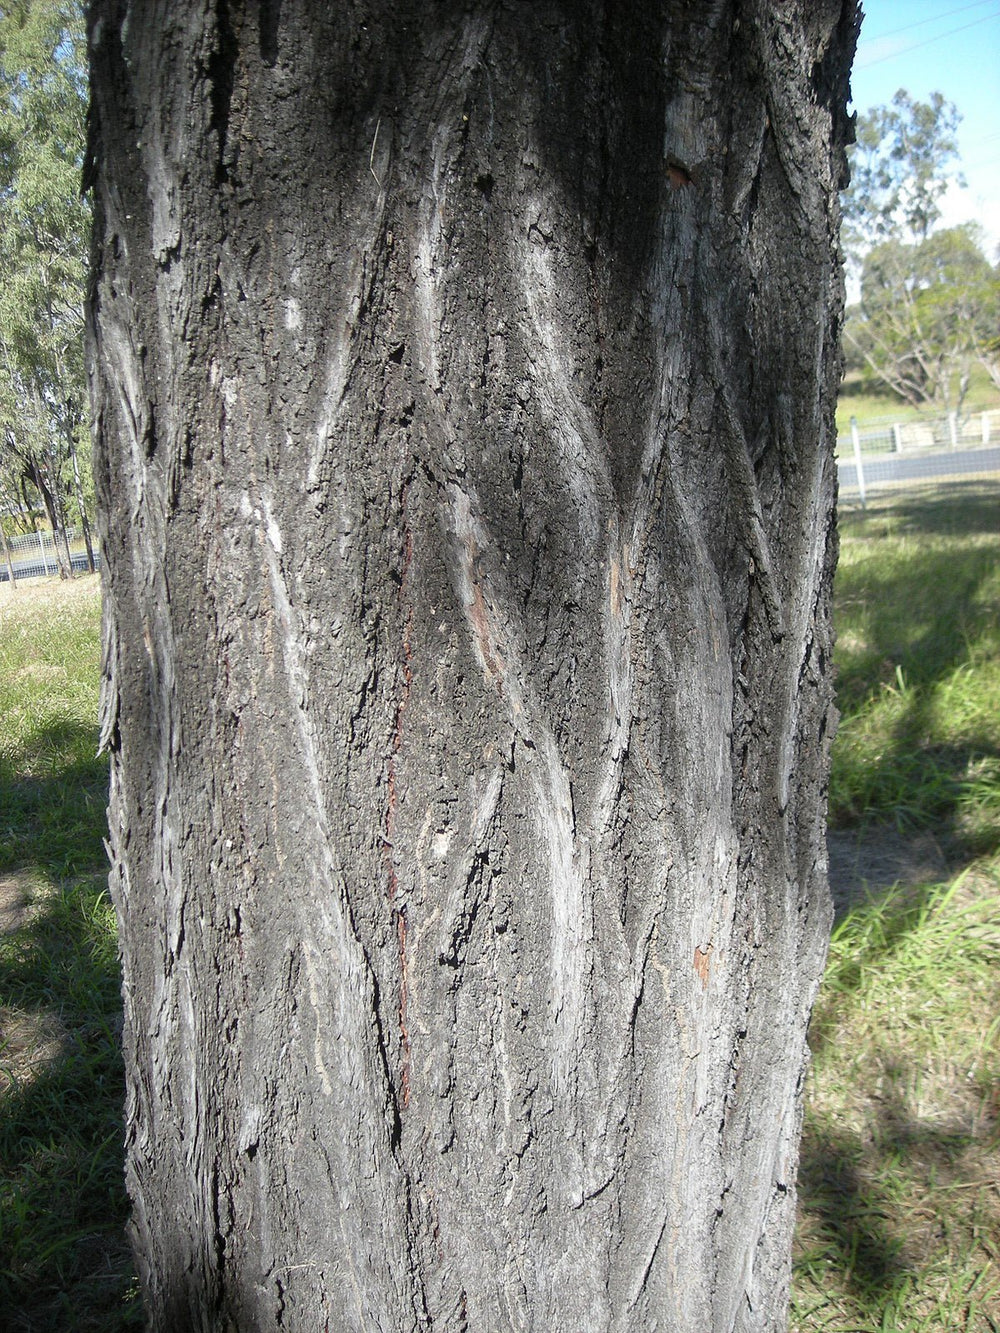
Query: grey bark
[[464, 379]]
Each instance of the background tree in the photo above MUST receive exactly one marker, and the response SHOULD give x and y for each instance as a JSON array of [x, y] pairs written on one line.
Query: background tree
[[928, 309], [464, 388], [44, 239], [989, 350], [902, 162], [9, 511], [928, 313]]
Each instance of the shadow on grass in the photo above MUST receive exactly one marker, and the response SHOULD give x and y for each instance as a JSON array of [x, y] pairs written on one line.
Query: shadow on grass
[[898, 1151], [918, 605], [65, 1262], [959, 509], [918, 636], [855, 1196], [854, 1237], [54, 819]]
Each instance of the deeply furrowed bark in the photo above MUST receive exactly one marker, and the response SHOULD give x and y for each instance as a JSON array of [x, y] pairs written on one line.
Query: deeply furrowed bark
[[463, 379]]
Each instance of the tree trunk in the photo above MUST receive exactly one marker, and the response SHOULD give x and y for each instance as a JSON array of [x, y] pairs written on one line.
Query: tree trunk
[[65, 555], [81, 503], [35, 473], [464, 381], [8, 557]]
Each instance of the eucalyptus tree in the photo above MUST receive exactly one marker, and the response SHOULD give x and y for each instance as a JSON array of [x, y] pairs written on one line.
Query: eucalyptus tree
[[928, 314], [928, 307], [464, 386], [44, 246], [904, 158]]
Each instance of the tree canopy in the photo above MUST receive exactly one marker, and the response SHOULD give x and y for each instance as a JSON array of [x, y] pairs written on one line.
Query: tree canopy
[[901, 164], [44, 233], [929, 298], [929, 310]]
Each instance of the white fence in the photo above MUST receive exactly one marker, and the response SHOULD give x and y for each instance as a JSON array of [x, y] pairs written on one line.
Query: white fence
[[33, 555], [936, 451]]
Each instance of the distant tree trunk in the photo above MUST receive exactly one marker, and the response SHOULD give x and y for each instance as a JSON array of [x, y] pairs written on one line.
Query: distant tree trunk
[[35, 474], [81, 504], [8, 557], [464, 380], [60, 535]]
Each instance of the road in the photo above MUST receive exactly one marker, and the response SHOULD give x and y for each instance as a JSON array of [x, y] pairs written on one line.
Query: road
[[883, 468], [32, 567]]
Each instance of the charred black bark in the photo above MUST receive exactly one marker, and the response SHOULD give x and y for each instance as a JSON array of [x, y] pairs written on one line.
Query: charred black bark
[[464, 381]]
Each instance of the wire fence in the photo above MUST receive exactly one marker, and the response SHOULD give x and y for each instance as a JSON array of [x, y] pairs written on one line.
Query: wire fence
[[34, 555], [893, 456]]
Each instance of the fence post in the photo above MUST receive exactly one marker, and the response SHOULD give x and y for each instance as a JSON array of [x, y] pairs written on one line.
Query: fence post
[[8, 556], [856, 441], [953, 428], [897, 437], [984, 421], [41, 547]]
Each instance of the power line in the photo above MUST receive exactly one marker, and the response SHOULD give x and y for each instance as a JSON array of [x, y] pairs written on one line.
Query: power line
[[915, 46], [935, 18]]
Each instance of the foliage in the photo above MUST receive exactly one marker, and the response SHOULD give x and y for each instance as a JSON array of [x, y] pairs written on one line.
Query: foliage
[[901, 165], [44, 236], [930, 300], [928, 313]]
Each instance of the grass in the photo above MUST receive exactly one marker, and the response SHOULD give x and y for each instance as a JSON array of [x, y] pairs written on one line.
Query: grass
[[899, 1189], [900, 1176], [873, 403], [918, 656], [64, 1262], [899, 1225]]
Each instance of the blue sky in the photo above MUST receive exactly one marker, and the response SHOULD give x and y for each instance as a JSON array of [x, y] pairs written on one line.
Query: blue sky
[[951, 47]]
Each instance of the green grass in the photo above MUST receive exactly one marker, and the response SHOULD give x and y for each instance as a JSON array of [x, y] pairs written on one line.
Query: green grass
[[899, 1207], [64, 1262], [873, 403], [54, 786], [918, 660], [899, 1218]]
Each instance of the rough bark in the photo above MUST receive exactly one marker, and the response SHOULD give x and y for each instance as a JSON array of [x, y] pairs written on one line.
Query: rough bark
[[464, 380]]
